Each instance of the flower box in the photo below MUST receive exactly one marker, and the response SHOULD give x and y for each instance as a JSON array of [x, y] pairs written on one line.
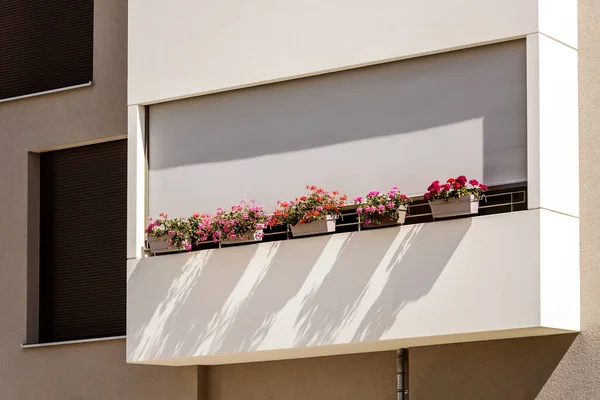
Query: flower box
[[249, 236], [378, 221], [160, 244], [454, 207], [326, 225]]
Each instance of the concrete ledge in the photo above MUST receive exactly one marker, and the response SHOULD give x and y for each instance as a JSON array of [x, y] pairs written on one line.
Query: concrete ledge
[[443, 282]]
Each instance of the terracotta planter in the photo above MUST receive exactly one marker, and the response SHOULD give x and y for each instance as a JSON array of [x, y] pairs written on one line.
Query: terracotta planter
[[160, 244], [378, 221], [249, 236], [465, 205], [326, 225]]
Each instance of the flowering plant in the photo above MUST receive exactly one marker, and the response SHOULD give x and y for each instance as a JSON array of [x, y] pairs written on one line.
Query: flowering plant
[[316, 205], [202, 227], [178, 231], [242, 218], [454, 189], [377, 204]]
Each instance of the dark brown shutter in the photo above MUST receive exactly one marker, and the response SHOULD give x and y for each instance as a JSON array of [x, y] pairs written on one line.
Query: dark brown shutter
[[83, 228], [45, 45]]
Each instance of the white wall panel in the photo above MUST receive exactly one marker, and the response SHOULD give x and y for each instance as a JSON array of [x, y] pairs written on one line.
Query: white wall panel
[[405, 123], [182, 48], [470, 279]]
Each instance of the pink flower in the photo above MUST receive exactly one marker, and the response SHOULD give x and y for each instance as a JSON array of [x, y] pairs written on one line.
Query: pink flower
[[187, 246], [245, 216], [426, 196], [367, 221], [359, 210], [319, 208], [483, 187], [390, 205], [358, 200], [461, 179], [473, 182], [380, 207], [373, 193], [171, 233], [447, 186]]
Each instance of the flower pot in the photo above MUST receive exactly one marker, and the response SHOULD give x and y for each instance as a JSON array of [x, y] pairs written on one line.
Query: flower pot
[[325, 225], [249, 236], [378, 221], [160, 244], [465, 205]]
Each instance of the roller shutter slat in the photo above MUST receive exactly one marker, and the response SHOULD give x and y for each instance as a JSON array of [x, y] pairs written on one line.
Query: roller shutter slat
[[45, 45], [83, 222]]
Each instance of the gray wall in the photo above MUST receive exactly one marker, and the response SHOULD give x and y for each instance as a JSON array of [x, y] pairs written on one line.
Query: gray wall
[[406, 123], [95, 371], [369, 376]]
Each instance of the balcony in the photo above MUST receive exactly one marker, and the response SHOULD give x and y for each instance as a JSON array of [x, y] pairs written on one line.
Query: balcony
[[488, 277]]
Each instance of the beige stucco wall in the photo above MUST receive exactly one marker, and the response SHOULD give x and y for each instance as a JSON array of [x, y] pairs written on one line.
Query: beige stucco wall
[[556, 367], [88, 371], [369, 376]]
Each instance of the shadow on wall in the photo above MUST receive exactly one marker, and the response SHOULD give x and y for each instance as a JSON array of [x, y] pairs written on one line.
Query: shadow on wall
[[367, 127], [363, 310], [400, 97], [307, 292], [493, 370]]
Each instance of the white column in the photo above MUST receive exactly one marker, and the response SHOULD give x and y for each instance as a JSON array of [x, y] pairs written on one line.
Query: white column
[[136, 180], [552, 125]]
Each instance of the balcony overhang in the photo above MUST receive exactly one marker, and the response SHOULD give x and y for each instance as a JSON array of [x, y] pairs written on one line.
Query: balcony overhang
[[490, 277]]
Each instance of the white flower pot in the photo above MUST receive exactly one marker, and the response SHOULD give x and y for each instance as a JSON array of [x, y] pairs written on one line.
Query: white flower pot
[[249, 236], [378, 221], [160, 244], [465, 205], [325, 225]]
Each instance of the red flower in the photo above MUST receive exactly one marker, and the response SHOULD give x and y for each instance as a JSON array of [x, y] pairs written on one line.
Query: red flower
[[473, 182], [451, 180], [196, 215], [303, 198], [456, 185]]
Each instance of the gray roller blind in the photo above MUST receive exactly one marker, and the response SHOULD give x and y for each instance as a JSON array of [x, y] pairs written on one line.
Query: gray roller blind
[[83, 222], [403, 123], [45, 45]]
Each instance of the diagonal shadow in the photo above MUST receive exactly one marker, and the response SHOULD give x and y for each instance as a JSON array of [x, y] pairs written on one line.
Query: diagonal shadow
[[412, 274]]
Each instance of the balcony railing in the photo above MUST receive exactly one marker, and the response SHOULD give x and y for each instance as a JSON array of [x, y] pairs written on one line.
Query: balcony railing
[[498, 199]]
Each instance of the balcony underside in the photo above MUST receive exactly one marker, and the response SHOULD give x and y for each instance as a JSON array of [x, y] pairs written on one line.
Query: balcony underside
[[490, 277]]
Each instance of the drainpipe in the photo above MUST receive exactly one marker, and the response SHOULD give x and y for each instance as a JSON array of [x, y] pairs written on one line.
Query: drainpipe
[[402, 374]]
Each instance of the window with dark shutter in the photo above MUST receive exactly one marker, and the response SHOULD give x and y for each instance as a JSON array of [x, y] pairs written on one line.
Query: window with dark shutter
[[45, 45], [83, 223]]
